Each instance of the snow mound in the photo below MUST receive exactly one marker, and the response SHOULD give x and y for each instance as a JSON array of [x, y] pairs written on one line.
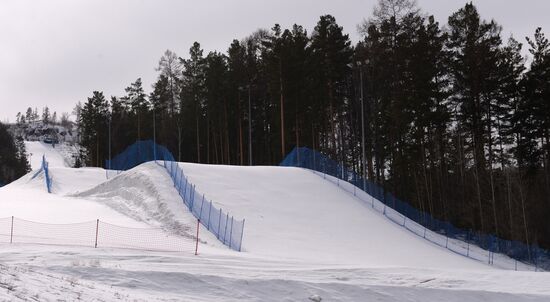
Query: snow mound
[[146, 194], [28, 199], [65, 181], [294, 213], [70, 181]]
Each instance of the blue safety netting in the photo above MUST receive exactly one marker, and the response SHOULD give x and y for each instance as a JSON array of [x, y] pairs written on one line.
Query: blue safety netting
[[137, 154], [47, 176], [224, 226], [44, 167], [472, 244]]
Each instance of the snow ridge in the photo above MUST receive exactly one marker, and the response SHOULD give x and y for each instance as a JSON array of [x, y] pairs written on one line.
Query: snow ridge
[[143, 193]]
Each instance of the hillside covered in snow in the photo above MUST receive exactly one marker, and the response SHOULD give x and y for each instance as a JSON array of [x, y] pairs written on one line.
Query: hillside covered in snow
[[40, 137], [305, 239]]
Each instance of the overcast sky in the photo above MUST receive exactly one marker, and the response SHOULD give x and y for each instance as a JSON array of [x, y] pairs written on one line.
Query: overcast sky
[[56, 53]]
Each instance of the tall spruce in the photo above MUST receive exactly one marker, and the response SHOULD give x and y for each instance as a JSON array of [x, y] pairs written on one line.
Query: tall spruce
[[93, 124]]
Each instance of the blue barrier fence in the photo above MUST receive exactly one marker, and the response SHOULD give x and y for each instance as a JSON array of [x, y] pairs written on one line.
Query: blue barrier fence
[[47, 176], [483, 247], [138, 153], [225, 227], [44, 167]]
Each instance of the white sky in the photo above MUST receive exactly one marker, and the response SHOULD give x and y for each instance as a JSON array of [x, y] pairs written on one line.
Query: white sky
[[55, 52]]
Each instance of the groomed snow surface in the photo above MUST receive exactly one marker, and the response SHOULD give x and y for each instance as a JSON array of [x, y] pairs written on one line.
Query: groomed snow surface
[[305, 239]]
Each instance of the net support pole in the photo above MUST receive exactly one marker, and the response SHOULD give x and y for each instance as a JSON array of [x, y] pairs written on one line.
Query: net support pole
[[231, 232], [96, 232], [11, 232], [202, 204], [197, 241], [225, 230], [242, 232], [209, 214], [184, 189], [219, 222]]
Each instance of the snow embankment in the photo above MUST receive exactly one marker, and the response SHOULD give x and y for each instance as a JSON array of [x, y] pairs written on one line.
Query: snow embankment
[[146, 194]]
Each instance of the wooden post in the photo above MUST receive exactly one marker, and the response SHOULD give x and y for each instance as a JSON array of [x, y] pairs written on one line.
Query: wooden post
[[197, 242], [96, 232]]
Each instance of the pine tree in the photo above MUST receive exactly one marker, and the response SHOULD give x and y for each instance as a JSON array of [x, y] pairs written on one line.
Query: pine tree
[[192, 93], [331, 53], [18, 118], [46, 117], [170, 68], [475, 53], [93, 124], [29, 114], [136, 101], [35, 115], [238, 79]]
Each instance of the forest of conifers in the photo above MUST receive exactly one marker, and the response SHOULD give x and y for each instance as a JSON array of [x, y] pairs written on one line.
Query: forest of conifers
[[457, 117]]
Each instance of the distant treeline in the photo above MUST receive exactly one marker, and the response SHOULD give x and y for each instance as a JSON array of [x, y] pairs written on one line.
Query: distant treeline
[[457, 121], [47, 118], [13, 157]]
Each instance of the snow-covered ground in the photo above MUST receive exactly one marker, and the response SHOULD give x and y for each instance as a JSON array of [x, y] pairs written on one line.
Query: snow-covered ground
[[305, 240], [305, 215]]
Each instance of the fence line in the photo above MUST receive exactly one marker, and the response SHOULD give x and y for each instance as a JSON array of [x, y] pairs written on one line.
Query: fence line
[[226, 228], [95, 234], [47, 177], [481, 247], [44, 167], [139, 152]]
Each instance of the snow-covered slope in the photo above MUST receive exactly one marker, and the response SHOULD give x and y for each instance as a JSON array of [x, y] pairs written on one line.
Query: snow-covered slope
[[65, 180], [305, 240], [143, 196], [293, 213], [36, 149], [27, 197]]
